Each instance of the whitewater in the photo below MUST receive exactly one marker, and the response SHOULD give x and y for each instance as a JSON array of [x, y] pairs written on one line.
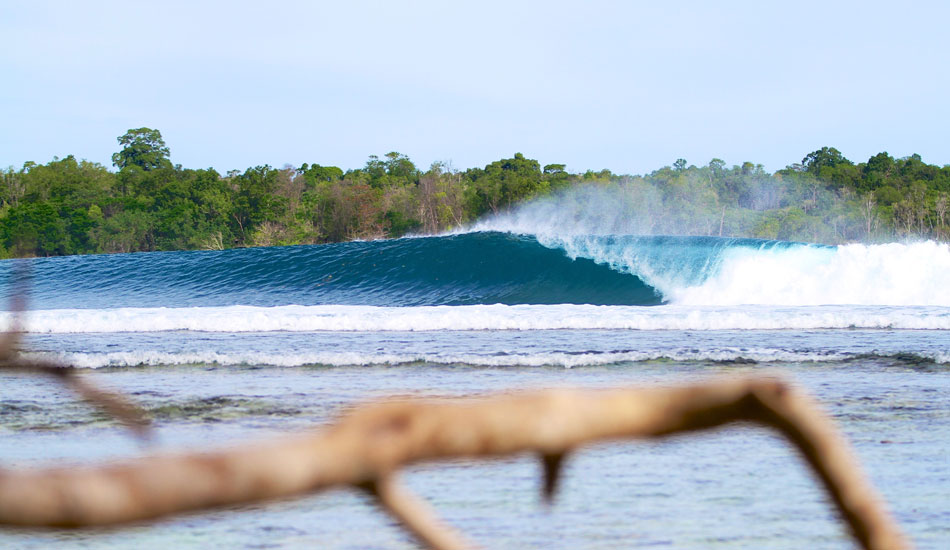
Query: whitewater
[[492, 280], [221, 345], [480, 317]]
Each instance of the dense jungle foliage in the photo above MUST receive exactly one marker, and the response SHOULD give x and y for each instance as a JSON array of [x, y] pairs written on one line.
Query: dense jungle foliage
[[70, 206]]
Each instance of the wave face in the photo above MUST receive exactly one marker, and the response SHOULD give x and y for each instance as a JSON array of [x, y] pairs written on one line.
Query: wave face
[[476, 268], [494, 267]]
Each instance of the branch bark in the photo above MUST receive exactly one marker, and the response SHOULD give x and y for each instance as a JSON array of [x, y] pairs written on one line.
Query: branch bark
[[367, 446]]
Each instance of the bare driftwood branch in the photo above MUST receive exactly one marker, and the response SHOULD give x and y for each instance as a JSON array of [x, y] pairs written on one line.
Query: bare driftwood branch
[[366, 447]]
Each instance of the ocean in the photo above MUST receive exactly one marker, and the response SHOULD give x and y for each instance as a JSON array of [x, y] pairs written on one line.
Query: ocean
[[225, 346]]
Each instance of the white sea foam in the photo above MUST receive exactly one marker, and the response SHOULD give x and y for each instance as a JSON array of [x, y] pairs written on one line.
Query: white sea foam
[[559, 359], [912, 274], [242, 319], [886, 274]]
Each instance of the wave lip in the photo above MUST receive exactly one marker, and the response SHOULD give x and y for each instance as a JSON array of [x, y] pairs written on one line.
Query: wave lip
[[245, 319]]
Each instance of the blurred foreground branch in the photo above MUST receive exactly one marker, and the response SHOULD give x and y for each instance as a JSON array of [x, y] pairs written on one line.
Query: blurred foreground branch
[[366, 447]]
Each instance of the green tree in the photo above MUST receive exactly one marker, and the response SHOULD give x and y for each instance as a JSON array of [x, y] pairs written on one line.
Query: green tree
[[256, 201], [398, 166], [505, 182], [316, 173], [143, 148], [824, 157], [878, 171], [556, 175], [34, 229]]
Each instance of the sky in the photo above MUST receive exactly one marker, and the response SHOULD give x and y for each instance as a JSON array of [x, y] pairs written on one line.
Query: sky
[[628, 86]]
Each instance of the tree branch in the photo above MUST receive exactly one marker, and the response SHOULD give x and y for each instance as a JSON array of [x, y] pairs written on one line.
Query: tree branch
[[369, 444]]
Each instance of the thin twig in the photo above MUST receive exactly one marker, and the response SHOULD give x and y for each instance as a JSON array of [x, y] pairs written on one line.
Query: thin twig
[[415, 515]]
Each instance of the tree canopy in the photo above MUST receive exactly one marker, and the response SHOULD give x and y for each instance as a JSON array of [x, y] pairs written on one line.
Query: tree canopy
[[70, 206], [142, 148]]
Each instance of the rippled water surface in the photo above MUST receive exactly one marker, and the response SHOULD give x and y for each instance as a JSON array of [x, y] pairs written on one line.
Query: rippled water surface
[[736, 488]]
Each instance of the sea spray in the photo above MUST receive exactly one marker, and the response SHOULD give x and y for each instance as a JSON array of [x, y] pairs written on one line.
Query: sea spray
[[607, 225], [586, 210]]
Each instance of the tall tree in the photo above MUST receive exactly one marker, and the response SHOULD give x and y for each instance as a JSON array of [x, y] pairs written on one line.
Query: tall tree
[[143, 148], [826, 156]]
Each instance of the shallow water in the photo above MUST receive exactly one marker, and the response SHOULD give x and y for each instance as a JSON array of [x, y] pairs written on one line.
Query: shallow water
[[738, 487]]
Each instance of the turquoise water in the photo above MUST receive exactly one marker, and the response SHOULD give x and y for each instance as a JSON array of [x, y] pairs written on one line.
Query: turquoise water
[[221, 347], [471, 268]]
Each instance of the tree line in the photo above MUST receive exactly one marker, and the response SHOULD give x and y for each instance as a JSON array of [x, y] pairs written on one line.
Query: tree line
[[71, 206]]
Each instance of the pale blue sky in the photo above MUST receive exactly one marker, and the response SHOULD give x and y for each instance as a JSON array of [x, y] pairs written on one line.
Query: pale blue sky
[[629, 86]]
